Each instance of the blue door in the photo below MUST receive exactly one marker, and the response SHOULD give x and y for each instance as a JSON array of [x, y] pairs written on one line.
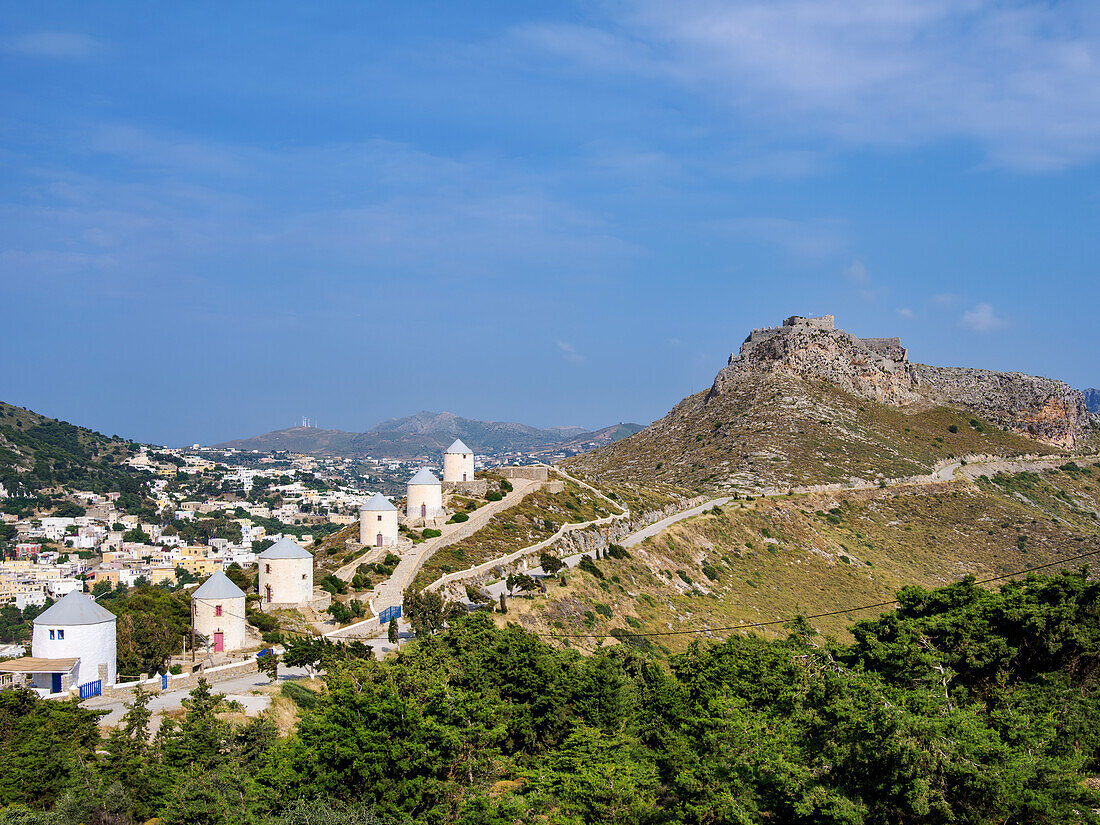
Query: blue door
[[56, 688]]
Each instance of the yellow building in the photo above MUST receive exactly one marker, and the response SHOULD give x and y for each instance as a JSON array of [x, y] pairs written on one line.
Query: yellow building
[[200, 567], [111, 576], [161, 575]]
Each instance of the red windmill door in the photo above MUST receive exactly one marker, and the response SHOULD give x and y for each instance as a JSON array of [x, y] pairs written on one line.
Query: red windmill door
[[219, 642]]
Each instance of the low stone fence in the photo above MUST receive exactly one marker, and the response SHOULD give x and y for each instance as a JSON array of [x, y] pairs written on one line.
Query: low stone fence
[[477, 487], [570, 539], [537, 472], [864, 484], [468, 528], [183, 681]]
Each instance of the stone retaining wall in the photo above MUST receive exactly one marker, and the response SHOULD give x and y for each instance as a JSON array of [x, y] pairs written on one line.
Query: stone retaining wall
[[569, 540], [534, 473], [183, 681]]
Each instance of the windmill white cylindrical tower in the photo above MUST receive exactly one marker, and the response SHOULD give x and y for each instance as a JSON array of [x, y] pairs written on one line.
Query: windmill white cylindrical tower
[[425, 496], [217, 609], [286, 574], [378, 522], [458, 463], [76, 627]]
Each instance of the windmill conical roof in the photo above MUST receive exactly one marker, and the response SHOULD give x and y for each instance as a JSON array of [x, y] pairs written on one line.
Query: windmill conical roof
[[75, 608], [285, 548], [423, 476], [378, 502], [459, 447], [218, 586]]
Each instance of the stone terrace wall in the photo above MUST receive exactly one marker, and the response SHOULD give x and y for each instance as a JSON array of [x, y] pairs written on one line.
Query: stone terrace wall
[[564, 543]]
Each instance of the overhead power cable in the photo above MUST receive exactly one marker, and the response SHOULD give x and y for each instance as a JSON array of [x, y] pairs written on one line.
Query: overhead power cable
[[694, 631]]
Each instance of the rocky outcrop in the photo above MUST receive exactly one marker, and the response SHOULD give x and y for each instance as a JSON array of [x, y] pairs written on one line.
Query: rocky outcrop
[[1040, 408], [879, 369], [876, 368]]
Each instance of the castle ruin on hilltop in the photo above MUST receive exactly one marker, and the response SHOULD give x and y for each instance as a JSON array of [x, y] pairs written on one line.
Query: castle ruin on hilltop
[[879, 369], [890, 349]]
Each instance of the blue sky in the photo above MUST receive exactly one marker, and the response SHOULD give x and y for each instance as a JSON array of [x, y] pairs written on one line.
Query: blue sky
[[216, 218]]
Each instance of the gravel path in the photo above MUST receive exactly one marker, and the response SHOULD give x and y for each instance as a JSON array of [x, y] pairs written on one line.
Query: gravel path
[[239, 689]]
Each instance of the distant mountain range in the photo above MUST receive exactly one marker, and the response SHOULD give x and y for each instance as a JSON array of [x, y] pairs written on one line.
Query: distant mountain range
[[1092, 399], [428, 434]]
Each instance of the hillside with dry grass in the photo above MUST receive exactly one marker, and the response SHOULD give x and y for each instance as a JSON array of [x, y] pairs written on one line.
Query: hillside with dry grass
[[769, 559], [789, 430], [534, 519]]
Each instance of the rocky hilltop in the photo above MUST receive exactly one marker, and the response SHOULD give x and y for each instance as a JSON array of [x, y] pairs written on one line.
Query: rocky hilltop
[[806, 403], [876, 368], [1040, 408], [879, 369]]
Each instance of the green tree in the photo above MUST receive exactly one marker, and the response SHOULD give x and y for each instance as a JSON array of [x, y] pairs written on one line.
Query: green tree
[[522, 581], [136, 535], [269, 665], [201, 740], [550, 563], [42, 746], [424, 610]]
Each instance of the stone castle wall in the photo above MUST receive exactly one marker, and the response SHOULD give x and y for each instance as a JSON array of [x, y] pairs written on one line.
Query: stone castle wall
[[888, 348]]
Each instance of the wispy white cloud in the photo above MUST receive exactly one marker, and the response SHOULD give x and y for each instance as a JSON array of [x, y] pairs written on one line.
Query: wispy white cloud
[[982, 318], [905, 312], [56, 45], [945, 299], [571, 354], [175, 201], [1022, 80], [857, 273]]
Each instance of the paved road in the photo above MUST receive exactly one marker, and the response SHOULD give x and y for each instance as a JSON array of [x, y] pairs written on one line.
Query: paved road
[[656, 527], [411, 559], [390, 591], [239, 689]]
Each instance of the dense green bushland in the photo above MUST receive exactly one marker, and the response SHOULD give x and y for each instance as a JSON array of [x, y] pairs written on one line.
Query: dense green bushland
[[963, 705]]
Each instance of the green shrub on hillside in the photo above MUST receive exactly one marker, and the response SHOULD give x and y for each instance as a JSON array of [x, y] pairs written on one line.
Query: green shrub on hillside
[[588, 566]]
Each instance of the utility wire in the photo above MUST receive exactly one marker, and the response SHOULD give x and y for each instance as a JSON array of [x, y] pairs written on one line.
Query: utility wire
[[814, 616]]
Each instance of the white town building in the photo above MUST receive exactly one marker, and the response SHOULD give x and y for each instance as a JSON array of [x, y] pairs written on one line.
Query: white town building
[[458, 463], [424, 497], [286, 574], [217, 610], [378, 522], [72, 643]]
